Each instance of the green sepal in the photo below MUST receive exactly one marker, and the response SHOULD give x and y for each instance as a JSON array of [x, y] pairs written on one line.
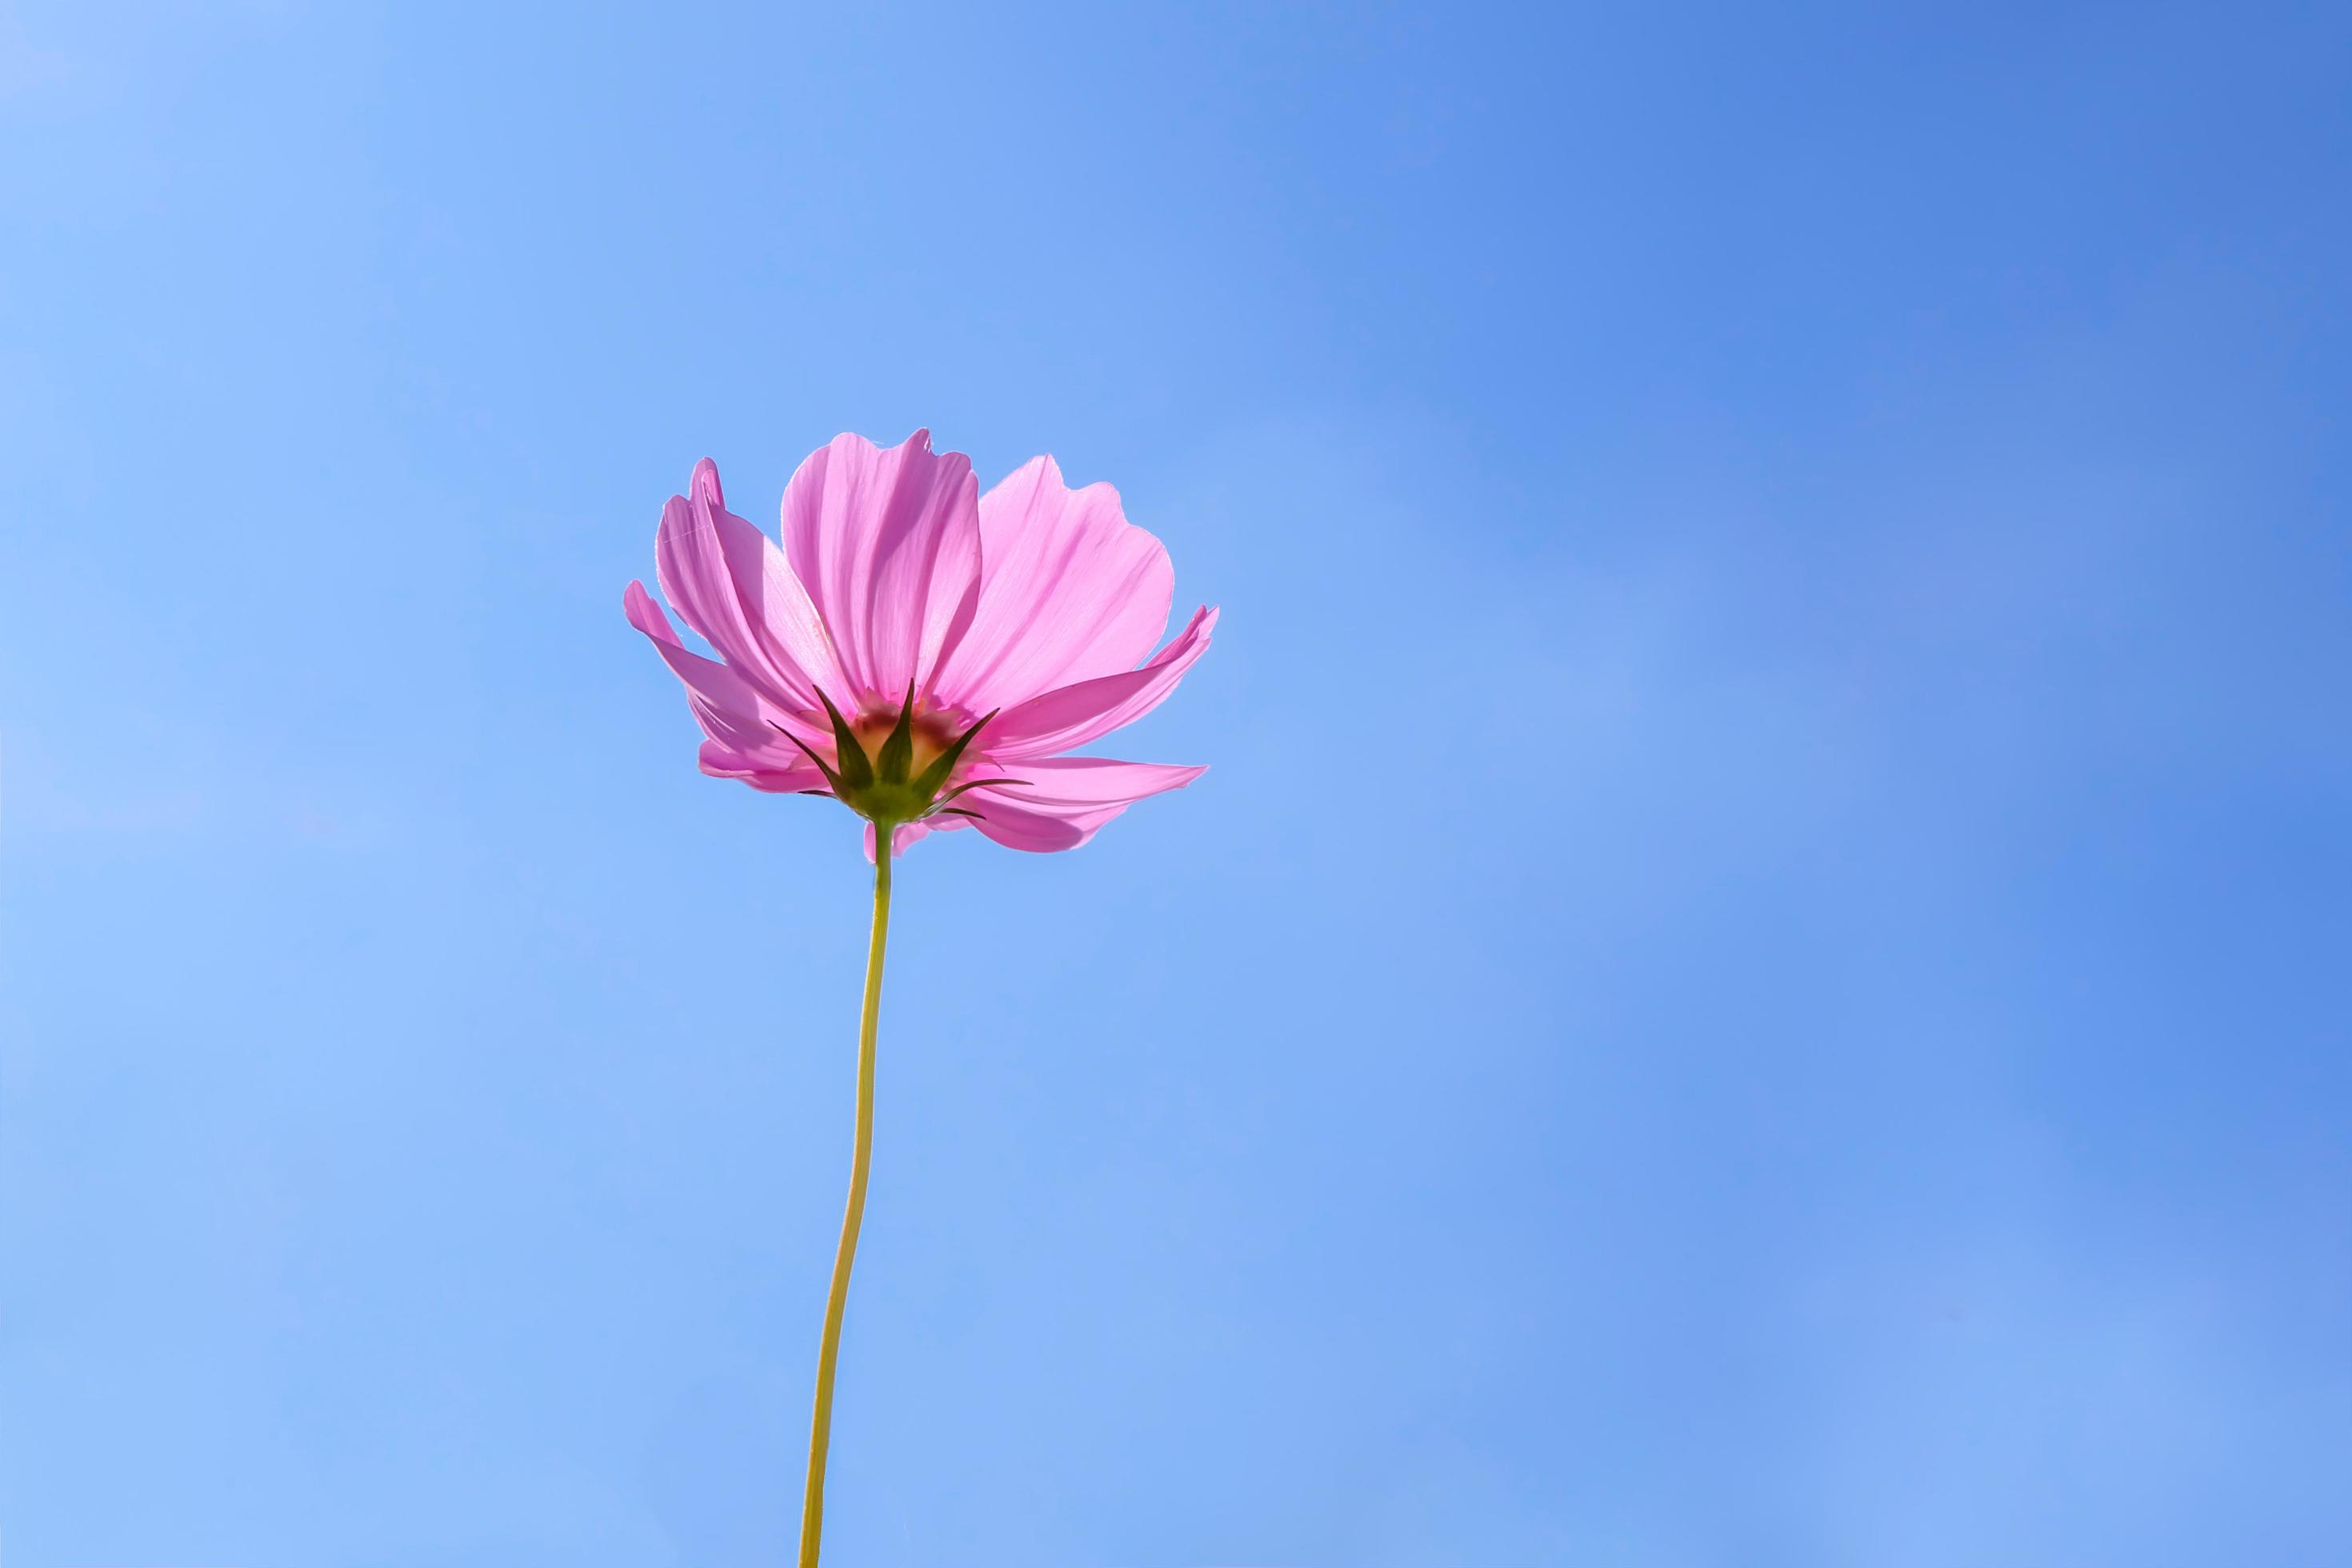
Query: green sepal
[[822, 765], [897, 753], [856, 769], [975, 783], [944, 764]]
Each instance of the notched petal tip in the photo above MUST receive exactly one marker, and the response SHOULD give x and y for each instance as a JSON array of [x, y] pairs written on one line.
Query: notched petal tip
[[920, 440], [704, 487], [645, 614]]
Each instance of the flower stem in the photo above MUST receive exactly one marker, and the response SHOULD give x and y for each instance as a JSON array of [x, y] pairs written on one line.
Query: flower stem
[[821, 1425]]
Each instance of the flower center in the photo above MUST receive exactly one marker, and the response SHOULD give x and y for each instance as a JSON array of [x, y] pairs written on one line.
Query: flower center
[[893, 767], [931, 737]]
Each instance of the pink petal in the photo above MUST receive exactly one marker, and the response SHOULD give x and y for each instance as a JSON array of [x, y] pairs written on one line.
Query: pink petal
[[765, 770], [733, 587], [1039, 832], [888, 543], [1068, 590], [1074, 715], [730, 710], [1069, 785], [1065, 801]]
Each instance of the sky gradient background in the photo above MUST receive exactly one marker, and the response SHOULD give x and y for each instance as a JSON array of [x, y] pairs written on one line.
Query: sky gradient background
[[1760, 976]]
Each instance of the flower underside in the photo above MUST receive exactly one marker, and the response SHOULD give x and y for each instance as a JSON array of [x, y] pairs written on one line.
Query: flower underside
[[893, 770]]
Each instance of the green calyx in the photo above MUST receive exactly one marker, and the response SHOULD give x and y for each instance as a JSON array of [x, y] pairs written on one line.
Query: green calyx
[[880, 780]]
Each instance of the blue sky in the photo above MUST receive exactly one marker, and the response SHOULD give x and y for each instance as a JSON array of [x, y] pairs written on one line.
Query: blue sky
[[1759, 977]]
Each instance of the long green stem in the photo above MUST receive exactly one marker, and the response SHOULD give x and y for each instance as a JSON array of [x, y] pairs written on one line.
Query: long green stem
[[821, 1425]]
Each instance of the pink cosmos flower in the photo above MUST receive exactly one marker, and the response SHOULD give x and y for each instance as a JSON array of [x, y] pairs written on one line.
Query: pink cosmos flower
[[928, 653], [930, 656]]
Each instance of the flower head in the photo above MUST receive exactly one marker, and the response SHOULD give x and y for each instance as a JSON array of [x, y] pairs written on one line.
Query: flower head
[[924, 653]]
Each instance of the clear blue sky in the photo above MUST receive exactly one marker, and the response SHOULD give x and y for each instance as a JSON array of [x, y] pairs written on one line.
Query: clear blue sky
[[1760, 978]]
